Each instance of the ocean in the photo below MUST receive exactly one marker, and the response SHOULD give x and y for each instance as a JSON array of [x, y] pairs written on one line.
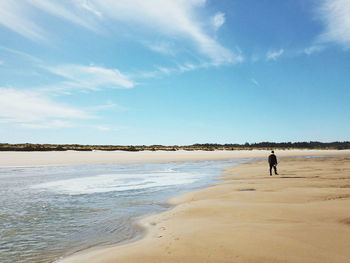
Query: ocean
[[49, 212]]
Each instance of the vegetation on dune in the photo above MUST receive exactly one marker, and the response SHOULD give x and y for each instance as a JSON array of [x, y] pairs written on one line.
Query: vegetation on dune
[[29, 147]]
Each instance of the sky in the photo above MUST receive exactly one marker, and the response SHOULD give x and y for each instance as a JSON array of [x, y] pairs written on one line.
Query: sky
[[174, 72]]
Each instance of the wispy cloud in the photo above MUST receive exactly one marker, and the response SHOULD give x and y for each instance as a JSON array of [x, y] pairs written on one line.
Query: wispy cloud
[[274, 54], [21, 54], [165, 70], [218, 20], [313, 49], [74, 12], [34, 110], [90, 77], [177, 19], [14, 15], [89, 7], [108, 128], [176, 69], [162, 47], [30, 107], [106, 106], [54, 124], [335, 16], [190, 66], [76, 76], [103, 128], [170, 18]]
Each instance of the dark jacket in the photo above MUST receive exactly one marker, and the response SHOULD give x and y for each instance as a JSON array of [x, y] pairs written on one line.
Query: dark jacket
[[272, 159]]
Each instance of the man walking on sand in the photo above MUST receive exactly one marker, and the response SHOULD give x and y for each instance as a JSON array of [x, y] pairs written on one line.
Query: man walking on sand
[[273, 162]]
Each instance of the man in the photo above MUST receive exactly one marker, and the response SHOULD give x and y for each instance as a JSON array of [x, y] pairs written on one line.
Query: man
[[273, 162]]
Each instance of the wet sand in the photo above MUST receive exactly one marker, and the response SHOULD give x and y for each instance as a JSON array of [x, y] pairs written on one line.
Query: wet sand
[[301, 215], [95, 157]]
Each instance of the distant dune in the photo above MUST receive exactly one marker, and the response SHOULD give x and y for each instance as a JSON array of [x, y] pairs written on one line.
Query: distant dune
[[29, 147]]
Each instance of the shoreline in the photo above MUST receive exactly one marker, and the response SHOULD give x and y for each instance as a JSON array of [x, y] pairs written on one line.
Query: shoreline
[[156, 226], [143, 223], [142, 229], [28, 159]]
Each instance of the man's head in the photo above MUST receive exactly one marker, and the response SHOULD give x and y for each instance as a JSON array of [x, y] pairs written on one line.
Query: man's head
[[272, 151]]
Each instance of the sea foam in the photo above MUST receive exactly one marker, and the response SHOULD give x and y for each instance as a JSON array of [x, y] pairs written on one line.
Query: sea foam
[[117, 182]]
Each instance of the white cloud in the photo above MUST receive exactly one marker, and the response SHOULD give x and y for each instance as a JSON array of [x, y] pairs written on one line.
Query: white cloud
[[218, 20], [189, 67], [313, 49], [107, 128], [21, 54], [32, 110], [335, 14], [89, 7], [91, 77], [177, 19], [68, 12], [179, 68], [103, 128], [176, 69], [165, 70], [54, 124], [105, 107], [274, 54], [14, 15], [28, 106], [77, 76], [162, 47]]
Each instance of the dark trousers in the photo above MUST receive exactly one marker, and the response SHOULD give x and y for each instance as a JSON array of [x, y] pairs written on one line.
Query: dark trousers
[[274, 166]]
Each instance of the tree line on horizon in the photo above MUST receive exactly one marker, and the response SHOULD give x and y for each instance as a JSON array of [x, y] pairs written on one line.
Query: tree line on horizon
[[205, 146]]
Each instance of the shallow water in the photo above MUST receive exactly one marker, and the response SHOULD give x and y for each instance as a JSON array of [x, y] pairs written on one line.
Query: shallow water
[[49, 212]]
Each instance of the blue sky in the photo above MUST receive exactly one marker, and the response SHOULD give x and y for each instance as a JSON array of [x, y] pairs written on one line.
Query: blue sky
[[174, 71]]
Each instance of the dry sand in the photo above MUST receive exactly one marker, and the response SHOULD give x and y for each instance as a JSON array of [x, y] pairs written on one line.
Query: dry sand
[[302, 215], [76, 157]]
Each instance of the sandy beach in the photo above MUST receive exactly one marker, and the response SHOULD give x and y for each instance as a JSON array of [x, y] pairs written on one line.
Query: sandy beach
[[96, 157], [301, 215]]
